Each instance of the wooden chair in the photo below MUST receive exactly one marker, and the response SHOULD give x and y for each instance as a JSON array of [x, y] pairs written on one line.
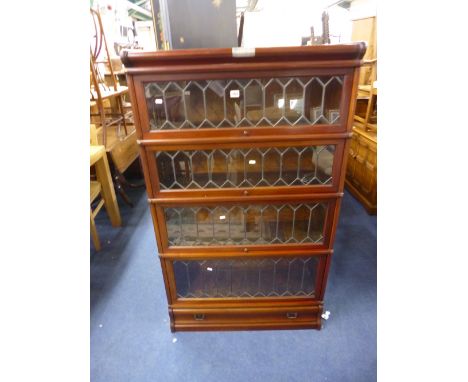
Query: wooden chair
[[108, 96], [109, 109]]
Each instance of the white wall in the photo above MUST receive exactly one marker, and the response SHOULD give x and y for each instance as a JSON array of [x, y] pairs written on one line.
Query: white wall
[[145, 35], [284, 23], [363, 8]]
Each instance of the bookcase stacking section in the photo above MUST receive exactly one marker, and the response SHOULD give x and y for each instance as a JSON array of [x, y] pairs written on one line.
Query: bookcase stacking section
[[244, 154]]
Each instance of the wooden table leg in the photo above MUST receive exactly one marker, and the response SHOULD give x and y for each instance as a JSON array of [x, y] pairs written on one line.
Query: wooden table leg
[[104, 177], [94, 234]]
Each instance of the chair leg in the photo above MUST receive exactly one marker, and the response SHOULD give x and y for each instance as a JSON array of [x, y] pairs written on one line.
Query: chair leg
[[94, 234]]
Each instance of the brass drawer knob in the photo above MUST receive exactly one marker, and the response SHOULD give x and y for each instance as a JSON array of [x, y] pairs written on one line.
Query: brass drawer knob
[[246, 250], [246, 192], [291, 315], [246, 132], [199, 316]]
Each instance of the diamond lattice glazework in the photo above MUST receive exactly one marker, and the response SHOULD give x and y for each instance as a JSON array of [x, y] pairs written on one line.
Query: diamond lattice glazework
[[224, 168], [244, 102], [251, 224], [272, 277]]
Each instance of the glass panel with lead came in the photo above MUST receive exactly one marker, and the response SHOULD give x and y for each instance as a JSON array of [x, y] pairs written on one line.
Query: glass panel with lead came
[[244, 102], [246, 224], [246, 278], [250, 167]]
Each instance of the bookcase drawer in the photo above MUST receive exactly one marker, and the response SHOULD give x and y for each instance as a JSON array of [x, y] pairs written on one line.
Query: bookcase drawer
[[299, 317]]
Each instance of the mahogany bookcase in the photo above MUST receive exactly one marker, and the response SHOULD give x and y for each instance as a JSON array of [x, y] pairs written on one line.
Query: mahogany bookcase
[[244, 155]]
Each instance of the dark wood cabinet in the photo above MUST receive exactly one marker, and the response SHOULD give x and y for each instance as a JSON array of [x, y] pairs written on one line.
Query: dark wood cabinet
[[244, 154]]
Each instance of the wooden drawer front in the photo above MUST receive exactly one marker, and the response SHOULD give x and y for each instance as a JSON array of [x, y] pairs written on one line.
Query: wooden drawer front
[[246, 225], [265, 167], [212, 103], [247, 318], [247, 278]]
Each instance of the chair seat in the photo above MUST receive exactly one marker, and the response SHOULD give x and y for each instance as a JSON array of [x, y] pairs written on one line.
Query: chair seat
[[95, 189]]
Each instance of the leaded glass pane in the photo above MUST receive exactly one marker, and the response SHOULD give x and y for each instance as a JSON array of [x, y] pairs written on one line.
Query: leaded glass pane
[[227, 168], [251, 224], [248, 278], [244, 102]]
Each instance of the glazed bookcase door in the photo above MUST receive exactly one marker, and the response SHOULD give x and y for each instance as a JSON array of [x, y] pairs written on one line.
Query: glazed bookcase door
[[242, 279], [248, 226], [220, 103], [230, 169], [315, 101]]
